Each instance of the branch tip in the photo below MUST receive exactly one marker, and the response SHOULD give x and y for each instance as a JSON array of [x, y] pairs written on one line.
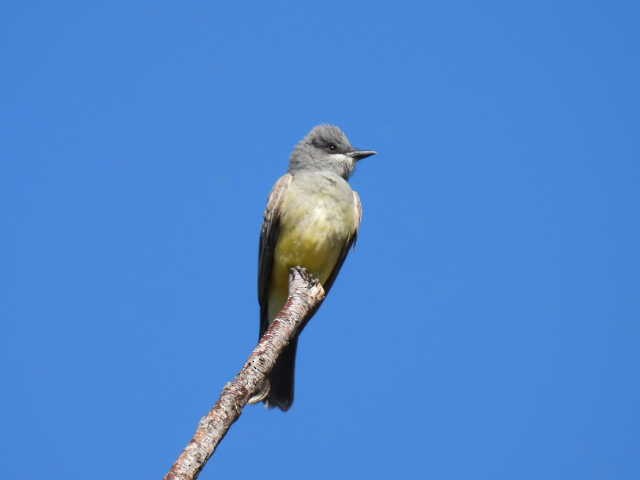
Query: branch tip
[[305, 295]]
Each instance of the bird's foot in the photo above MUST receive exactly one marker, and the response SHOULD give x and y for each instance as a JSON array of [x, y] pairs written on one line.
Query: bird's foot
[[261, 394]]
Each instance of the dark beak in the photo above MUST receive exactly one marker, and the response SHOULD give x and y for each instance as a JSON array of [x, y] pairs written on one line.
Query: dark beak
[[360, 154]]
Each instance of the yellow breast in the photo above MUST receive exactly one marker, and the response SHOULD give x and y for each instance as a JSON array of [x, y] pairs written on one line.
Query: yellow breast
[[314, 228]]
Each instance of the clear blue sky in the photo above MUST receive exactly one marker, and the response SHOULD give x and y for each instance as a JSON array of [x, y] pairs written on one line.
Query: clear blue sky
[[485, 327]]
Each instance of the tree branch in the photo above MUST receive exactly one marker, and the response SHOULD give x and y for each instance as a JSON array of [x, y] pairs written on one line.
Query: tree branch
[[305, 293]]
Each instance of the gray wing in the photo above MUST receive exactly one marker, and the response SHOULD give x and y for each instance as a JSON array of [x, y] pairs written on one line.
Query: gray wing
[[268, 240]]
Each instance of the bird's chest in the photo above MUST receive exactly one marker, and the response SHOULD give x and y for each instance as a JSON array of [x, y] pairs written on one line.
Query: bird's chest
[[313, 230]]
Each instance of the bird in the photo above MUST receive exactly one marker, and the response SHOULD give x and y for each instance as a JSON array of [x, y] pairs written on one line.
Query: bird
[[311, 221]]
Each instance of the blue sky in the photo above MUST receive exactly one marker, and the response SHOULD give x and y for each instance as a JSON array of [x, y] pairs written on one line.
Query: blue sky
[[485, 327]]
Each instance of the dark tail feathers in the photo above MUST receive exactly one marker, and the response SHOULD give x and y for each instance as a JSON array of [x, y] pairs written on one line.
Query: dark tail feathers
[[282, 377]]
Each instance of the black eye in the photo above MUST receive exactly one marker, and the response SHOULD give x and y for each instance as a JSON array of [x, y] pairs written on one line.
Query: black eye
[[332, 147]]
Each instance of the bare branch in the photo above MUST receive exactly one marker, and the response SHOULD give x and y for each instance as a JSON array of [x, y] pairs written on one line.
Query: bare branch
[[305, 293]]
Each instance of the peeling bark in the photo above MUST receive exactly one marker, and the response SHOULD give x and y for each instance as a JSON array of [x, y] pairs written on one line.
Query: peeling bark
[[305, 293]]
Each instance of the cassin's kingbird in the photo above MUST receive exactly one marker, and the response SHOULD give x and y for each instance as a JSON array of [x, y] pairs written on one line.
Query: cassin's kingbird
[[311, 221]]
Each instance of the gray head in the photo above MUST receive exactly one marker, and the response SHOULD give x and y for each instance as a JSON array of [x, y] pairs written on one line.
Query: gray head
[[326, 148]]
